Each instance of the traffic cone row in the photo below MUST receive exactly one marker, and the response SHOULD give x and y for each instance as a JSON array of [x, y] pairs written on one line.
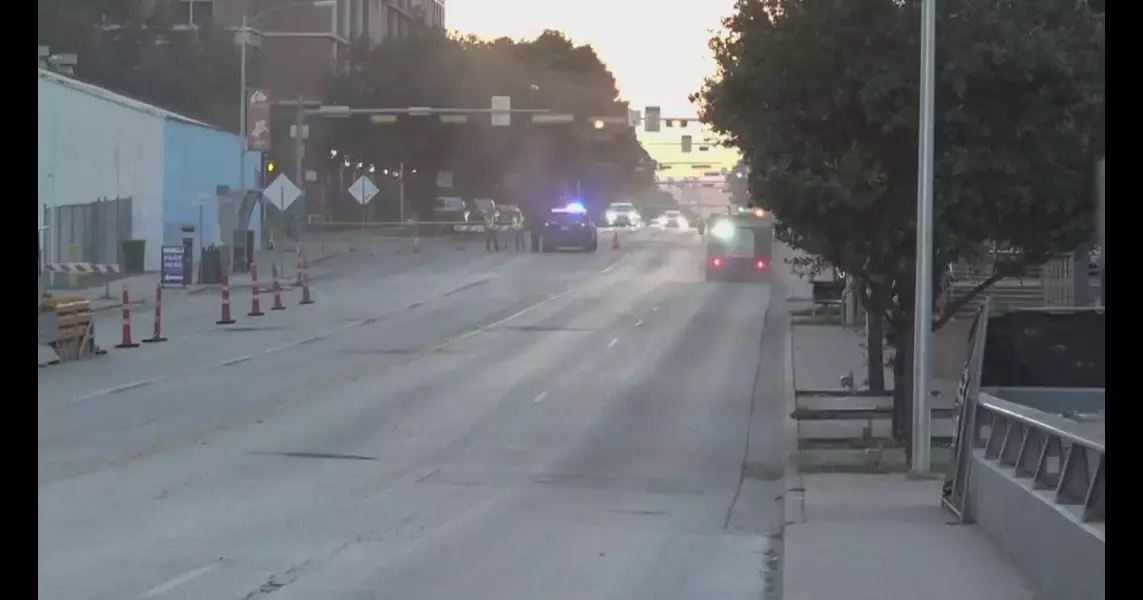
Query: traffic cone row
[[303, 281]]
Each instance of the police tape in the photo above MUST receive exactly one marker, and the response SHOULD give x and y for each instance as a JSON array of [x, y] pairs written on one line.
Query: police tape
[[481, 228]]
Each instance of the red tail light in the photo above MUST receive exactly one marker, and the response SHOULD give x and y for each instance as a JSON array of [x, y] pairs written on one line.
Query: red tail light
[[761, 265], [716, 262]]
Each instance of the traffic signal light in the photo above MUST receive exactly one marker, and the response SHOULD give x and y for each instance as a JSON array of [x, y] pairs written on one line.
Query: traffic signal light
[[686, 143], [266, 173]]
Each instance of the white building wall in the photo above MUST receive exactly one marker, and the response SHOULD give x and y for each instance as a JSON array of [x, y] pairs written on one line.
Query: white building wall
[[92, 147]]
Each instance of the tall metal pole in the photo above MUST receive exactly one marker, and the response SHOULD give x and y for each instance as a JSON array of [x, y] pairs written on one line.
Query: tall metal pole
[[401, 191], [923, 296], [242, 34], [299, 154]]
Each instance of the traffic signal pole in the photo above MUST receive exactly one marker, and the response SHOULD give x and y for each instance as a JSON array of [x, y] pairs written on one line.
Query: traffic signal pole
[[299, 154]]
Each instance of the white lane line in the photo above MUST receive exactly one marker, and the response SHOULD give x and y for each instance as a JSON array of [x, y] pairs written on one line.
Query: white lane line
[[639, 323], [183, 579], [613, 342], [298, 342], [654, 309], [608, 269], [540, 397], [483, 328], [117, 389]]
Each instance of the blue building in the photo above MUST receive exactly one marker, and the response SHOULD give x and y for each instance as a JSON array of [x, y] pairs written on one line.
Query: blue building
[[112, 168]]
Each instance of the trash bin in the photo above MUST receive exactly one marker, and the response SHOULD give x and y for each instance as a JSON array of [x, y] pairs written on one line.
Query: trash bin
[[133, 253], [210, 266]]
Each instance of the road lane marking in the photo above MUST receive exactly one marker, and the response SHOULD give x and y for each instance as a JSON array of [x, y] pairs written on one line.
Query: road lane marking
[[306, 340], [118, 389], [181, 580], [614, 264], [540, 397], [486, 327], [639, 323], [613, 342]]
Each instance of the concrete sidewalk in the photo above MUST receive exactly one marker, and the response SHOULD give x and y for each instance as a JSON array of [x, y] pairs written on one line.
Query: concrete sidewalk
[[874, 536], [886, 537]]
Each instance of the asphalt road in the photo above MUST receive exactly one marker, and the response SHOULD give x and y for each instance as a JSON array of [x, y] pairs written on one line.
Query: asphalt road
[[463, 425]]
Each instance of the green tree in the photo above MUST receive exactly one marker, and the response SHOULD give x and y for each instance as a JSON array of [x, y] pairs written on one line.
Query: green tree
[[821, 97], [138, 54], [464, 72]]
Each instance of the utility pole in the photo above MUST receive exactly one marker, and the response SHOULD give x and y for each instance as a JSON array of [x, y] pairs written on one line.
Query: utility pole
[[401, 191], [923, 290], [299, 154], [242, 35]]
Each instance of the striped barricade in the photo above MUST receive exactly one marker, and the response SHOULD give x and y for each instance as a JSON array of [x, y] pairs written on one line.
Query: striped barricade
[[80, 268]]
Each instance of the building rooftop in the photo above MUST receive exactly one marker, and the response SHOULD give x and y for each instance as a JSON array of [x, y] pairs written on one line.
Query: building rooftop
[[120, 99]]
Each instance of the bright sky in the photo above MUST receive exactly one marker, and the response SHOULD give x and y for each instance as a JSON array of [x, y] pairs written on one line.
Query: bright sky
[[656, 50]]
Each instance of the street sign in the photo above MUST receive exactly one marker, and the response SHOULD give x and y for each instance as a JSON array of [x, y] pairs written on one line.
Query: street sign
[[444, 179], [651, 118], [500, 107], [173, 265], [363, 190], [258, 121], [283, 191], [633, 118]]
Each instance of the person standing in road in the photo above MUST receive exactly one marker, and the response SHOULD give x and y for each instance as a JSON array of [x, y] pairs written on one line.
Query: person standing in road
[[533, 223], [518, 231], [491, 242]]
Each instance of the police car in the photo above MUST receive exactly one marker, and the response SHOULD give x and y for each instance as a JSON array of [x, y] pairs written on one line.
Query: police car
[[623, 214], [568, 226]]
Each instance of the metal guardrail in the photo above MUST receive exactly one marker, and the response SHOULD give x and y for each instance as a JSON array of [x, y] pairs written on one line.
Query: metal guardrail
[[1061, 456]]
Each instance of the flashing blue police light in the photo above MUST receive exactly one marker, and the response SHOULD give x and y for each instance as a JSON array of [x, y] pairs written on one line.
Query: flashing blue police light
[[576, 207]]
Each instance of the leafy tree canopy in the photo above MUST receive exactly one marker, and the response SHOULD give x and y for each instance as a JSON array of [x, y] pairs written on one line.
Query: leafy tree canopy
[[136, 53], [821, 97], [453, 71]]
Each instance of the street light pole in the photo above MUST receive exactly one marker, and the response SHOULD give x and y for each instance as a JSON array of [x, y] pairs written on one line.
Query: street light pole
[[923, 291], [401, 191], [242, 35]]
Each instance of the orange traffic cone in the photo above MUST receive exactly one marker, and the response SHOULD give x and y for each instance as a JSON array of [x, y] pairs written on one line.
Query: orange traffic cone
[[277, 291], [615, 240], [255, 302], [126, 343], [158, 332], [226, 318], [306, 299]]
